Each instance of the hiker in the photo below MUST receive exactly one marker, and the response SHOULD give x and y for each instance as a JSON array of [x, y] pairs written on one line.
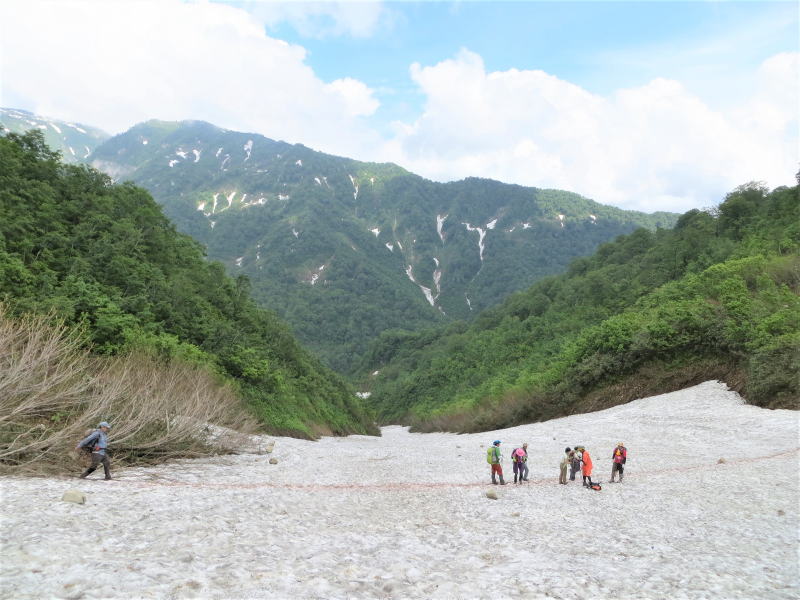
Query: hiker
[[619, 456], [525, 469], [586, 459], [575, 465], [565, 462], [518, 457], [97, 442], [493, 457]]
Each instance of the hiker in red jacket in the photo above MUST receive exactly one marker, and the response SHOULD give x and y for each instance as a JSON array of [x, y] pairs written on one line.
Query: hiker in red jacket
[[587, 466], [618, 456]]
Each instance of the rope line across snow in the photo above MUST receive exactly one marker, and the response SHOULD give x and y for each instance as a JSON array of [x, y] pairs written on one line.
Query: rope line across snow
[[406, 485]]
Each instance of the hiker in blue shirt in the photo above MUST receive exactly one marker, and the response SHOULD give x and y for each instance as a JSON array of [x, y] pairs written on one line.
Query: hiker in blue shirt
[[97, 442]]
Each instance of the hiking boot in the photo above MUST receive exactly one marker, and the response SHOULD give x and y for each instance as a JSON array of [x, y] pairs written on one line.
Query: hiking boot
[[107, 478], [502, 481]]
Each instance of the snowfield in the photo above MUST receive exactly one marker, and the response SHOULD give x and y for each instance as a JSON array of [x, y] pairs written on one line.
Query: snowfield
[[406, 516]]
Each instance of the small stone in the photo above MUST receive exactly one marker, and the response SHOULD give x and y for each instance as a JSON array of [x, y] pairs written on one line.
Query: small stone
[[76, 496], [492, 495], [273, 461], [781, 512], [516, 514], [721, 461]]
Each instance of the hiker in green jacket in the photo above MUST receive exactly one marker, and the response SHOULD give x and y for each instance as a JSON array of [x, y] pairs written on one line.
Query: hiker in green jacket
[[493, 457]]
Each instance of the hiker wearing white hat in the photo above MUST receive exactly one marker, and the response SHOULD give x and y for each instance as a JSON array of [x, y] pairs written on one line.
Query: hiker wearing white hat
[[97, 443]]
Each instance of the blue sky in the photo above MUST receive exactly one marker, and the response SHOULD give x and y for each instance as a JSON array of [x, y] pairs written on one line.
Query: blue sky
[[601, 46], [644, 105]]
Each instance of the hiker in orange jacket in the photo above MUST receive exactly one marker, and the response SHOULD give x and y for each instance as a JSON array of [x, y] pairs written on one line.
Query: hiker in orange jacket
[[587, 467]]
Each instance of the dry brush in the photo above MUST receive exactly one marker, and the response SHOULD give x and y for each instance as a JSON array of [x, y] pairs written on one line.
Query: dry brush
[[52, 390]]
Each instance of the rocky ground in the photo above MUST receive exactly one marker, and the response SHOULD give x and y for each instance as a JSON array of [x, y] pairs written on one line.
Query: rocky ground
[[708, 509]]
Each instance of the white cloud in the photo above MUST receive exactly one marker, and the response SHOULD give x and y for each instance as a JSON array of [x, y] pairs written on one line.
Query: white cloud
[[112, 64], [652, 147]]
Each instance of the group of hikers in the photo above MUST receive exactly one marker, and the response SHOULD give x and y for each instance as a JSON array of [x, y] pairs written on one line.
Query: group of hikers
[[575, 459]]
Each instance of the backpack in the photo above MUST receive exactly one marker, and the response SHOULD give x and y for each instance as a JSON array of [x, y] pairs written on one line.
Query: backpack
[[490, 455], [596, 486], [90, 447]]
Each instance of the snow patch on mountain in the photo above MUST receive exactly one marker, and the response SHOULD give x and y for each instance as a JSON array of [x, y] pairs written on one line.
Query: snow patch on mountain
[[355, 186], [318, 181], [390, 246], [225, 162], [299, 163], [196, 155], [295, 233], [481, 236], [248, 148], [56, 127], [315, 276], [376, 231], [173, 162], [182, 153], [238, 261], [425, 290], [71, 150], [561, 220], [88, 152], [284, 196], [439, 222], [218, 152]]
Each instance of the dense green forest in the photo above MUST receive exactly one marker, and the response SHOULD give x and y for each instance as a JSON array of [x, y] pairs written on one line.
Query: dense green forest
[[716, 297], [332, 244], [104, 258]]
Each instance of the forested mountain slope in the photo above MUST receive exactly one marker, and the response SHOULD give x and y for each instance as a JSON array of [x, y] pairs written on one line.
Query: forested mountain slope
[[344, 249], [105, 257], [717, 297]]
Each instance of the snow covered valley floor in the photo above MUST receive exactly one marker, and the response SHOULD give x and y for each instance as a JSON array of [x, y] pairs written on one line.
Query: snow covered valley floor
[[406, 516]]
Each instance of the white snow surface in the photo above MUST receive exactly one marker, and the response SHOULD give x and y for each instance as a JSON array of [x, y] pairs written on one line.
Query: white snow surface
[[405, 516]]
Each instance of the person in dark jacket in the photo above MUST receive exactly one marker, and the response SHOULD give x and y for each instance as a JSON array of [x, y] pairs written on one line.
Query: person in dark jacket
[[575, 464], [619, 457], [97, 443]]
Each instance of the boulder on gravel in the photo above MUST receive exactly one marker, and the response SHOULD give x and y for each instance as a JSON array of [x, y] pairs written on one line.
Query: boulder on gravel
[[76, 496], [273, 461], [492, 495]]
